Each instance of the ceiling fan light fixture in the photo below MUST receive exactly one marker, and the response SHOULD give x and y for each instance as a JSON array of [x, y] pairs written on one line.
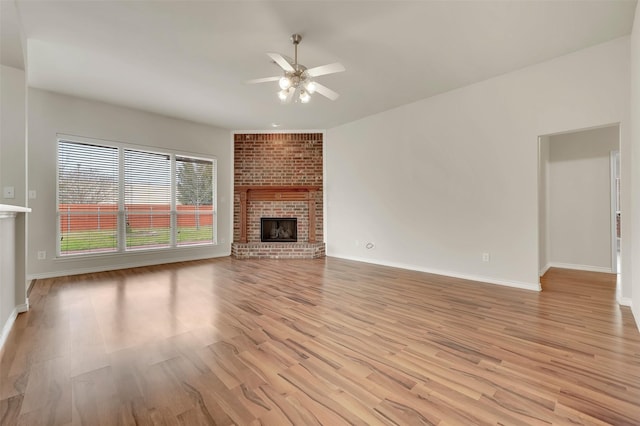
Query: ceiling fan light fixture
[[304, 96], [311, 87], [283, 94], [284, 82], [297, 83]]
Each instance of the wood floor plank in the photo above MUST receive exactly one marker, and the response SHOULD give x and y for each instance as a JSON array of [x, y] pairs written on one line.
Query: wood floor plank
[[318, 342], [95, 398], [10, 410]]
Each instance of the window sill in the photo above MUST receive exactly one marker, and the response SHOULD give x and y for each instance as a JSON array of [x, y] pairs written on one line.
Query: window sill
[[135, 252]]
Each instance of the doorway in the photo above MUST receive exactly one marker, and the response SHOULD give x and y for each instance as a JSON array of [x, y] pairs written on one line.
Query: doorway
[[578, 200]]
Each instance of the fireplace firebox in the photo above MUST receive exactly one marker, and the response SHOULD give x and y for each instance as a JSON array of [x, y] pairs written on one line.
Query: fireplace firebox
[[278, 229]]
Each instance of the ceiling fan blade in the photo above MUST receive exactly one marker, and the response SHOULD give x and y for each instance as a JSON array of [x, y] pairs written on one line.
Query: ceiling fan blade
[[281, 61], [326, 69], [325, 91], [262, 80]]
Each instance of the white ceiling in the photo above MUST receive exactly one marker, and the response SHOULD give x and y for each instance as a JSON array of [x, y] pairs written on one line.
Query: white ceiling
[[189, 59]]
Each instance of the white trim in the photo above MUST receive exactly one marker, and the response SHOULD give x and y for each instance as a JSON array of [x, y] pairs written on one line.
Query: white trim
[[583, 129], [588, 268], [625, 301], [544, 269], [228, 239], [9, 208], [325, 203], [612, 187], [6, 329], [104, 268], [121, 221], [173, 217], [131, 145], [478, 278]]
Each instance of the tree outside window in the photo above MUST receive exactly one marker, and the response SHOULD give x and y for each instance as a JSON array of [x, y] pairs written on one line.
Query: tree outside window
[[194, 184]]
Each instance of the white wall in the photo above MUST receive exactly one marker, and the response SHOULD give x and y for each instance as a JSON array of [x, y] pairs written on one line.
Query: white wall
[[12, 173], [543, 211], [12, 133], [633, 214], [8, 311], [436, 183], [50, 113], [579, 199]]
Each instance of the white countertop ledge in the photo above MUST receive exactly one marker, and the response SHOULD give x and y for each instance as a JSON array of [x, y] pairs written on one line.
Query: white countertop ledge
[[8, 208]]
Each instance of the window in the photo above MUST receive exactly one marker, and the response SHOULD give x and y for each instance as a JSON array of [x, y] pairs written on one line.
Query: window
[[121, 198], [87, 198], [147, 199], [195, 194]]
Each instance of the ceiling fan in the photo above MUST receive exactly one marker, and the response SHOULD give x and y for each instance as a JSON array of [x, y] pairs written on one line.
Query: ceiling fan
[[298, 80]]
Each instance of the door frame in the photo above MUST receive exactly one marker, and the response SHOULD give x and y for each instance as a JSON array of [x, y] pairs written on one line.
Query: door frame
[[613, 158]]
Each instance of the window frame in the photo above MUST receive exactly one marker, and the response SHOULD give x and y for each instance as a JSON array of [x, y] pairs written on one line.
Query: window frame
[[121, 231]]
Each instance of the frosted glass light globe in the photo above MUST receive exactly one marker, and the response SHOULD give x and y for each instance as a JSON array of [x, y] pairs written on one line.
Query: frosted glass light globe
[[284, 82]]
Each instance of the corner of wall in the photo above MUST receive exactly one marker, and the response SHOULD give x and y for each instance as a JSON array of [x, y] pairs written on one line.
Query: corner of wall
[[634, 213], [8, 325]]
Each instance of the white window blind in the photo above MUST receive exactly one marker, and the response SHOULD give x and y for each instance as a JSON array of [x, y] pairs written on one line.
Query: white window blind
[[194, 200], [87, 198], [147, 198], [164, 200]]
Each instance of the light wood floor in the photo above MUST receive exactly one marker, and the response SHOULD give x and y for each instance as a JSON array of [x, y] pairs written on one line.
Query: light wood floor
[[325, 341]]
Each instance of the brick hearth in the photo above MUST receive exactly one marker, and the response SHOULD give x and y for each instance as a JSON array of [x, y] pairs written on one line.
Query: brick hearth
[[278, 175], [277, 250]]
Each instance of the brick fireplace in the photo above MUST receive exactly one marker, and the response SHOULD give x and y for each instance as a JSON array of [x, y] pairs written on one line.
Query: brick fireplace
[[278, 175]]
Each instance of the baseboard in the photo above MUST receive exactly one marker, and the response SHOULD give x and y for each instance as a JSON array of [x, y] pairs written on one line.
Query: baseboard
[[624, 301], [576, 267], [8, 325], [30, 287], [544, 269], [479, 278]]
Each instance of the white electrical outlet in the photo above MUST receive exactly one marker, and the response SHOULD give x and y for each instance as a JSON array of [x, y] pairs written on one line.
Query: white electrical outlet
[[42, 255], [486, 257], [32, 194]]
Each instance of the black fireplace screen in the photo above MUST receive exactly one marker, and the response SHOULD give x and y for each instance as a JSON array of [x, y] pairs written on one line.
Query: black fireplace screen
[[278, 229]]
